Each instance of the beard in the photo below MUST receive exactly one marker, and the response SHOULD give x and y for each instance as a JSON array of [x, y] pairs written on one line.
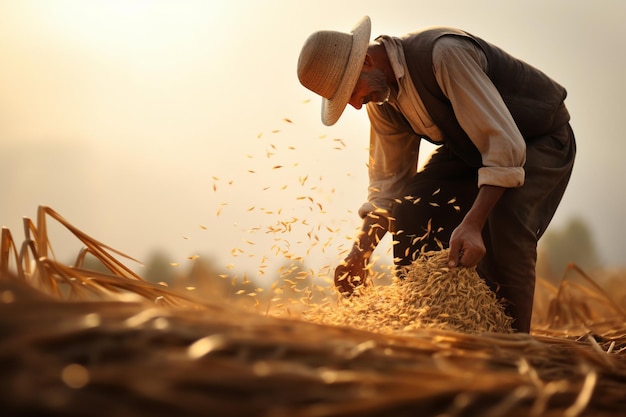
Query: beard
[[377, 83]]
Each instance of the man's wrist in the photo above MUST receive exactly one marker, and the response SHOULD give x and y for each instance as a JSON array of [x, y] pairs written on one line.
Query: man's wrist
[[359, 251]]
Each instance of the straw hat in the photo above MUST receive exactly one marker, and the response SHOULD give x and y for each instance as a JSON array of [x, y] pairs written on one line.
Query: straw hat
[[330, 64]]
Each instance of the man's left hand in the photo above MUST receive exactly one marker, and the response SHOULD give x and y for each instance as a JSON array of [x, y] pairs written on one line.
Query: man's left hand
[[466, 246]]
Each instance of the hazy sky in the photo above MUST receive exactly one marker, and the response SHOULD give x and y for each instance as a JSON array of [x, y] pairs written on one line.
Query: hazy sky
[[181, 125]]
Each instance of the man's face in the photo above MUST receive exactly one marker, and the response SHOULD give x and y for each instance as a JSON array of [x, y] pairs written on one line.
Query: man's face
[[371, 86]]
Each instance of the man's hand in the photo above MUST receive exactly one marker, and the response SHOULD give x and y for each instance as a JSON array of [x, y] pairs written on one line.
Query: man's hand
[[466, 246], [466, 242], [351, 273]]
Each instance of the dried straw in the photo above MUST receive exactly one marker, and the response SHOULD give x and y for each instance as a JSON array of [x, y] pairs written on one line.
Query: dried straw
[[91, 351]]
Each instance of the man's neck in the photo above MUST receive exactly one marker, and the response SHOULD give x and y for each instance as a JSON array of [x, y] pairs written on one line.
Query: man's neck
[[381, 61]]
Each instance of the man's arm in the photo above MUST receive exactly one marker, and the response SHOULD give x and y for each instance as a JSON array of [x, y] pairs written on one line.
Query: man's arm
[[353, 271], [460, 69], [393, 155]]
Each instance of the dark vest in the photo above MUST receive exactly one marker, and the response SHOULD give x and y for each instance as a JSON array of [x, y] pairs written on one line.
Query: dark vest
[[534, 100]]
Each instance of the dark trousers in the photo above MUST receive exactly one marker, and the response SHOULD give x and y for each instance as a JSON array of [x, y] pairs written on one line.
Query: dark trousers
[[439, 196]]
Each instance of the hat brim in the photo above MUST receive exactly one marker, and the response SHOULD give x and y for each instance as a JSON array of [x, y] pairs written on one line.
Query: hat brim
[[333, 108]]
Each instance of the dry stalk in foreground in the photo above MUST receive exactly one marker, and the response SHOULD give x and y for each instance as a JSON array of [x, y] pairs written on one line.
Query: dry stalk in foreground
[[93, 352]]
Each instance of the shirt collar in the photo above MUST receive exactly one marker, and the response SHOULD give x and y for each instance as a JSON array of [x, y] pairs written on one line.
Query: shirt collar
[[395, 52]]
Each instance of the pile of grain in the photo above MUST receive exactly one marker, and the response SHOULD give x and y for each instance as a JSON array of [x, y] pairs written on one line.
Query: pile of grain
[[431, 296]]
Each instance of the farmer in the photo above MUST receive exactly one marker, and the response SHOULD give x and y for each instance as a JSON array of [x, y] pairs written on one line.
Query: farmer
[[489, 191]]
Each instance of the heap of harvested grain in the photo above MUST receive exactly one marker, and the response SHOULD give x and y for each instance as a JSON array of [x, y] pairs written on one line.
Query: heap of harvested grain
[[430, 296]]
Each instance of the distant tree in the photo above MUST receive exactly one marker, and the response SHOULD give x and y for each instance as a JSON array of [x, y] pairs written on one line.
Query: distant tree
[[208, 281], [572, 244], [159, 269]]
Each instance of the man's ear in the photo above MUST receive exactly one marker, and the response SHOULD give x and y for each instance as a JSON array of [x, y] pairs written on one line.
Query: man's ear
[[369, 62]]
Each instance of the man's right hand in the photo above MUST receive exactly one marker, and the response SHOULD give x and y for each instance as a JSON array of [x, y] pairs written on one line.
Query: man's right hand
[[351, 273]]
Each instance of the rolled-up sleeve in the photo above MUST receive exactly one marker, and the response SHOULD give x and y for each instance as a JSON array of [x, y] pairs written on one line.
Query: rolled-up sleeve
[[393, 156], [460, 69]]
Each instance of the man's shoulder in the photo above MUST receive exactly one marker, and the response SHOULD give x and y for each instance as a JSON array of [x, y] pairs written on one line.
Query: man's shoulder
[[425, 40], [434, 32]]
